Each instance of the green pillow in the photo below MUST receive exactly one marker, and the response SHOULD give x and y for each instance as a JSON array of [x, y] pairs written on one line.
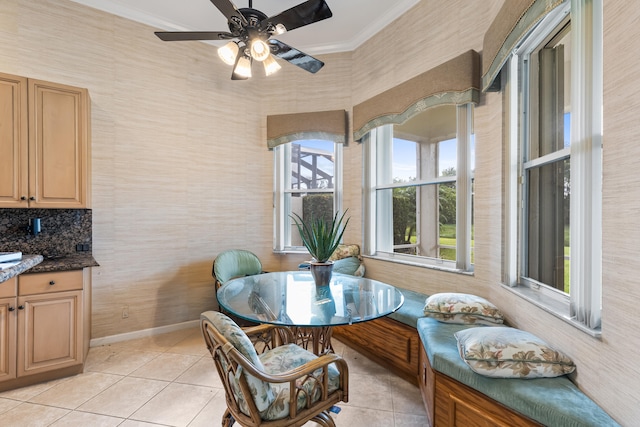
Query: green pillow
[[347, 265]]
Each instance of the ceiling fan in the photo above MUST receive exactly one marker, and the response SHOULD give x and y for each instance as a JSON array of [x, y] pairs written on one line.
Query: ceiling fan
[[252, 31]]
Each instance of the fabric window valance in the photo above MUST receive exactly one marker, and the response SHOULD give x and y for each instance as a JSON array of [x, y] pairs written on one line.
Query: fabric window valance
[[512, 23], [454, 82], [327, 125]]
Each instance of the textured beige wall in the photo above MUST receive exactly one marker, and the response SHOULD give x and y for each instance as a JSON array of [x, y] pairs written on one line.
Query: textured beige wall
[[172, 139], [181, 170]]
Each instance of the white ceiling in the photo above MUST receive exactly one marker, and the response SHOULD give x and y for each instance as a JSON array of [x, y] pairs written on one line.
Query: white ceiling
[[353, 21]]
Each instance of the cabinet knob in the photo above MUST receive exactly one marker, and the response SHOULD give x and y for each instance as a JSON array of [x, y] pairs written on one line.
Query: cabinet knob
[[12, 309], [23, 198], [21, 307], [32, 198], [51, 283]]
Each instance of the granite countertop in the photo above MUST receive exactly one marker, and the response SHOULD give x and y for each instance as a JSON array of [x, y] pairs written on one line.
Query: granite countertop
[[28, 262], [74, 261], [40, 264]]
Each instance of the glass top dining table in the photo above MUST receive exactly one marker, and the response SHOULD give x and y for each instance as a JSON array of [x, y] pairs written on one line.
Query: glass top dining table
[[291, 298]]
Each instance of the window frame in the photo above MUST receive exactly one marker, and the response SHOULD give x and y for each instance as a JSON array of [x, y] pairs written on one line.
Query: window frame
[[463, 181], [516, 75], [281, 211]]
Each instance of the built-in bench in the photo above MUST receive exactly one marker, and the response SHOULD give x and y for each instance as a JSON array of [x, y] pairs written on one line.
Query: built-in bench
[[455, 395], [392, 341], [424, 352]]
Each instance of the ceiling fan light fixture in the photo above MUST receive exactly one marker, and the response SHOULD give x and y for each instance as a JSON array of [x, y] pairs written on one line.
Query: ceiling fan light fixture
[[280, 29], [243, 67], [259, 50], [228, 53], [271, 66]]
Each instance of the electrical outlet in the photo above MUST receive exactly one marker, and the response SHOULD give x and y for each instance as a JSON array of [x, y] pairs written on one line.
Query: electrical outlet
[[125, 312]]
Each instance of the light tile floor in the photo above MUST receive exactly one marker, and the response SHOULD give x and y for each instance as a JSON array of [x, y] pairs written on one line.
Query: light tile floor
[[170, 380]]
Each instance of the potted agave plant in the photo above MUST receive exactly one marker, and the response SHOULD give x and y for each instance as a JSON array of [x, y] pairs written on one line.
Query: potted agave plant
[[321, 238]]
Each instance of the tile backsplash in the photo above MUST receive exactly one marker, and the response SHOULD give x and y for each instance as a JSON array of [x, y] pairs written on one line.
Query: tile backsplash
[[61, 231]]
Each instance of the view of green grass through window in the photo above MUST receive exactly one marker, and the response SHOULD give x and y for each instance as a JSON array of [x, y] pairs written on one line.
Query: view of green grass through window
[[421, 172], [406, 206]]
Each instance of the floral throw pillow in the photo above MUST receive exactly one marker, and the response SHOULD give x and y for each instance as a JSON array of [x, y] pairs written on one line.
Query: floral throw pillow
[[463, 309], [504, 352]]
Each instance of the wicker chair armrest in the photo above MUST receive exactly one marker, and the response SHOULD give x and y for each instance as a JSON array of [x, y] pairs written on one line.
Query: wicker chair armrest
[[293, 374]]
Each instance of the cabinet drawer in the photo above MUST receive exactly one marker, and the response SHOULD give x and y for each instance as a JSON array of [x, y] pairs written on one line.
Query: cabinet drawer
[[58, 281], [8, 288]]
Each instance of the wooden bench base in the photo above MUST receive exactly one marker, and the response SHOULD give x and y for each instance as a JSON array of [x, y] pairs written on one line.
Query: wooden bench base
[[450, 403], [386, 341]]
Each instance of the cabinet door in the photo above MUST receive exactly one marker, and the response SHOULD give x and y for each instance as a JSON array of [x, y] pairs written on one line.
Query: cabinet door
[[49, 331], [58, 146], [13, 142], [8, 314], [427, 384]]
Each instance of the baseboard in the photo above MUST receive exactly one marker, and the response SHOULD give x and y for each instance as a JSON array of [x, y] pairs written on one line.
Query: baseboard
[[97, 342]]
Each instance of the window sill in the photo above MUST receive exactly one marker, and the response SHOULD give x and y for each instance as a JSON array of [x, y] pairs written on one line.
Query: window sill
[[555, 305], [422, 263], [291, 252]]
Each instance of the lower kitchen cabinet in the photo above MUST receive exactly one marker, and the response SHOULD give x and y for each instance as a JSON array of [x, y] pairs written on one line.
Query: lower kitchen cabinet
[[43, 326], [8, 329]]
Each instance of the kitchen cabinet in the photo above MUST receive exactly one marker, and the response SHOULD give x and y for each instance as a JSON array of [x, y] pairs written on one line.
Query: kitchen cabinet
[[45, 154], [44, 326], [8, 353]]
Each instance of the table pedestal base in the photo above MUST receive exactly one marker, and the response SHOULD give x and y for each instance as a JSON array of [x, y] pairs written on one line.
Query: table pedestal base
[[314, 339]]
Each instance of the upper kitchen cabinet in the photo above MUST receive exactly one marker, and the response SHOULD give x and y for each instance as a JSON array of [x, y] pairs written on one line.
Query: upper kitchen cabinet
[[14, 141], [44, 144]]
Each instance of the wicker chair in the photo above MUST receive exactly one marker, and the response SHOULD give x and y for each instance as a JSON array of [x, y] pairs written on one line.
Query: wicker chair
[[286, 385], [234, 263], [231, 264]]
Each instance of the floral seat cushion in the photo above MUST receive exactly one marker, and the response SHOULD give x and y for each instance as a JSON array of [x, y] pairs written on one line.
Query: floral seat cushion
[[285, 358]]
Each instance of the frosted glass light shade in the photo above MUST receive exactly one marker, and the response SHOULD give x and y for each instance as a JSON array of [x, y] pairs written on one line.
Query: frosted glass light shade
[[259, 50], [280, 29], [271, 65], [243, 68], [228, 53]]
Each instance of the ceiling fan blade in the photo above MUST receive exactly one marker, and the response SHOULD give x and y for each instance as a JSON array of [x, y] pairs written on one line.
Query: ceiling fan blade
[[230, 11], [298, 16], [294, 56], [172, 36]]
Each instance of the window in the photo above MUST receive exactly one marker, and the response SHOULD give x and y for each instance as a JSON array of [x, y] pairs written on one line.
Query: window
[[307, 183], [546, 161], [419, 176], [558, 174]]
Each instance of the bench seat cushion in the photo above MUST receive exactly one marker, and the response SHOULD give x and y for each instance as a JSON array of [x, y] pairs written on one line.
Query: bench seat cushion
[[412, 309], [550, 401]]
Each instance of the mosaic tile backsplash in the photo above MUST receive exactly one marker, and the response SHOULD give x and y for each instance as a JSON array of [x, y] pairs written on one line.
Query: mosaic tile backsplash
[[61, 231]]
